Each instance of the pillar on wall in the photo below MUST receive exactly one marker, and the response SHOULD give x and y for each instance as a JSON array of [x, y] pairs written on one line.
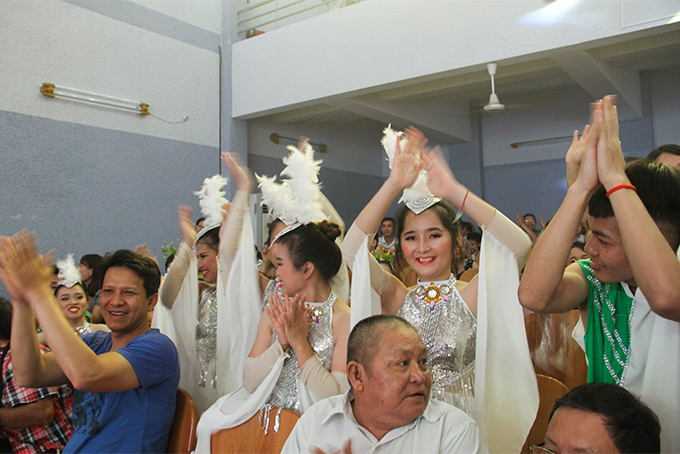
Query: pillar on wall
[[233, 132]]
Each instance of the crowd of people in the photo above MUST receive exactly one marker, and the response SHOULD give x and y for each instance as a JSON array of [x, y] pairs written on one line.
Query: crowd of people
[[410, 340]]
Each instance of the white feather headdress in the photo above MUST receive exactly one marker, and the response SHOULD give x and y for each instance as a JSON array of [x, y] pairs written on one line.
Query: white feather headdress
[[211, 199], [69, 275], [418, 197], [295, 201]]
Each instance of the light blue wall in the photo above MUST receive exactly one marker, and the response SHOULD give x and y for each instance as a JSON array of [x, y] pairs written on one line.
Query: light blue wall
[[87, 190]]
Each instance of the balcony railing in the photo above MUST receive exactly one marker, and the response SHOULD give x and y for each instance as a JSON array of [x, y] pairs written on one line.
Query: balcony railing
[[267, 15]]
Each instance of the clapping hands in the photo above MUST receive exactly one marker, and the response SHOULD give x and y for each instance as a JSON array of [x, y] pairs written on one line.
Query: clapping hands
[[290, 319], [597, 154]]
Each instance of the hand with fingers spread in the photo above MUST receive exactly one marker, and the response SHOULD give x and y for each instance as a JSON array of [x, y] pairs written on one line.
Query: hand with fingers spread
[[143, 249], [302, 143], [239, 173], [276, 310], [296, 320], [575, 153], [611, 167], [441, 181], [22, 268], [186, 225], [407, 161]]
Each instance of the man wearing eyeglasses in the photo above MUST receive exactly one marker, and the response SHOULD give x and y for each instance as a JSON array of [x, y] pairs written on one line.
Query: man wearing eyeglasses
[[601, 418]]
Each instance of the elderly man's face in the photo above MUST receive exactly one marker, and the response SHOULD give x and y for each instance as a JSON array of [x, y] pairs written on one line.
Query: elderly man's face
[[398, 385]]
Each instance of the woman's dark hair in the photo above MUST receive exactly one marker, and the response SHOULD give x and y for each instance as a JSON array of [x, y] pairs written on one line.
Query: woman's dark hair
[[77, 283], [670, 148], [211, 238], [168, 261], [315, 242], [447, 216], [272, 225], [658, 186], [94, 262]]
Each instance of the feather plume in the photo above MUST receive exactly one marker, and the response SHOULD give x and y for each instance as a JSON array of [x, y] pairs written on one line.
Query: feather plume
[[211, 199], [69, 275], [296, 198], [303, 173], [278, 197], [418, 197], [389, 142], [418, 190]]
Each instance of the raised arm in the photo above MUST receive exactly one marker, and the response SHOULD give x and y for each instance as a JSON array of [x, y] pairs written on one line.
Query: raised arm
[[546, 286], [443, 184], [178, 270], [523, 226], [230, 232], [24, 269], [31, 368], [405, 168], [654, 264]]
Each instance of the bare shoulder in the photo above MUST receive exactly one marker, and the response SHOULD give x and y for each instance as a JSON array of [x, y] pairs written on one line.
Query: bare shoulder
[[468, 291], [341, 312], [391, 301]]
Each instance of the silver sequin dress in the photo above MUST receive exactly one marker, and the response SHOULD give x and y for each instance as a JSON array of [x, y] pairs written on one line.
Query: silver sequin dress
[[449, 332], [272, 286], [206, 338], [285, 393]]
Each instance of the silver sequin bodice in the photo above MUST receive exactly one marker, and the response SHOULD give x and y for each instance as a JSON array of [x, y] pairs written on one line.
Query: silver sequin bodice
[[269, 291], [206, 337], [449, 332], [285, 393]]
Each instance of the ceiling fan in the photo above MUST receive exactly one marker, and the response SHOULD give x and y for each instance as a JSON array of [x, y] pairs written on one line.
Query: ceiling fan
[[494, 104]]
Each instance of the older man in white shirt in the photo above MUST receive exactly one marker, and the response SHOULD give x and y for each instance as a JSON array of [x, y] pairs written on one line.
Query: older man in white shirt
[[388, 407]]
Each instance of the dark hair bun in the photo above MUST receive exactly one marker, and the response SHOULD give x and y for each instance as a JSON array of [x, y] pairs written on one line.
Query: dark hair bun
[[330, 229]]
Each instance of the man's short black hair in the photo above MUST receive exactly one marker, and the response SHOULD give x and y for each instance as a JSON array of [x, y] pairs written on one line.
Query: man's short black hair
[[387, 219], [144, 267], [668, 148], [364, 340], [5, 320], [632, 425], [580, 245], [474, 236], [658, 186]]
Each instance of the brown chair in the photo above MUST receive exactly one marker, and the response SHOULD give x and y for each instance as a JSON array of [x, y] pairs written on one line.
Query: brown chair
[[553, 351], [549, 389], [183, 431], [250, 437], [468, 275]]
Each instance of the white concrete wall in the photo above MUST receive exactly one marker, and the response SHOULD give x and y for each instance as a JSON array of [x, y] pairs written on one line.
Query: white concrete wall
[[69, 45], [381, 42], [90, 179]]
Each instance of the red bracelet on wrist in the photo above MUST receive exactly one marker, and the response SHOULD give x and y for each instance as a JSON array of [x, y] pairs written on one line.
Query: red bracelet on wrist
[[464, 199], [621, 186]]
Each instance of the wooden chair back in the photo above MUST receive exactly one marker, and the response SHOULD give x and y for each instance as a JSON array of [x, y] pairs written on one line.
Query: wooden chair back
[[250, 437], [468, 275], [183, 431], [553, 351], [549, 389]]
